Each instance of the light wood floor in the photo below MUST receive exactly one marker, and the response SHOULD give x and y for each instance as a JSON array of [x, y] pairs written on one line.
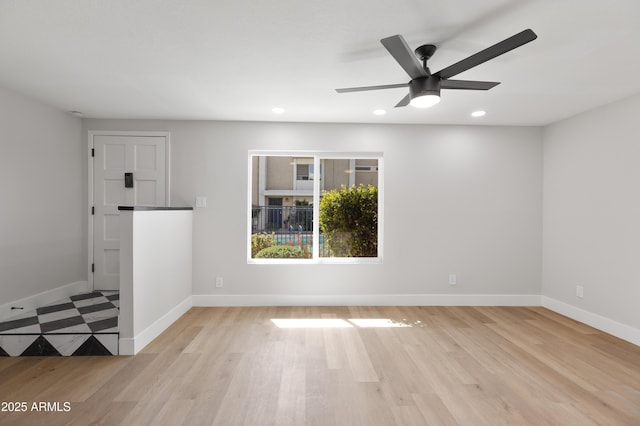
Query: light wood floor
[[445, 365]]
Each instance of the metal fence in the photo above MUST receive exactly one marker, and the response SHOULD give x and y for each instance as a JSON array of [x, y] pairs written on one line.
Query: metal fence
[[290, 225], [281, 219]]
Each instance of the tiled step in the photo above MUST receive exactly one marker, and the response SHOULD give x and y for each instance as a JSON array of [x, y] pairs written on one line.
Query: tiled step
[[84, 324]]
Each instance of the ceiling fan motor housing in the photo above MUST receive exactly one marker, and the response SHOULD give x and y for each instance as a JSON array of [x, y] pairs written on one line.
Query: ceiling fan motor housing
[[424, 86]]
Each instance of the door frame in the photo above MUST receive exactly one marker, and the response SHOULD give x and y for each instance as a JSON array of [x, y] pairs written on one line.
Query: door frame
[[90, 197]]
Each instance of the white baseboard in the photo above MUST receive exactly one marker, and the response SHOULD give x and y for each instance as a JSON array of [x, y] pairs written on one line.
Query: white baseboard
[[622, 331], [367, 300], [39, 300], [131, 346]]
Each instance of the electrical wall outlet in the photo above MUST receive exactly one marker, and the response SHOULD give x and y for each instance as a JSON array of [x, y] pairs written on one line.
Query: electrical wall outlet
[[219, 282], [453, 280], [580, 291]]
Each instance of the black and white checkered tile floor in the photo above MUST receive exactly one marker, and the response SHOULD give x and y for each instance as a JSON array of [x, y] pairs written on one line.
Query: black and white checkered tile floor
[[84, 324]]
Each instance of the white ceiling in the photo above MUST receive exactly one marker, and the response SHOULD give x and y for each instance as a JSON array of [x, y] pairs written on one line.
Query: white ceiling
[[237, 59]]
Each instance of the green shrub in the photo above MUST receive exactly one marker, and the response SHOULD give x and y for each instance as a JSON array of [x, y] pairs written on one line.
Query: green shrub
[[261, 241], [349, 221], [280, 252]]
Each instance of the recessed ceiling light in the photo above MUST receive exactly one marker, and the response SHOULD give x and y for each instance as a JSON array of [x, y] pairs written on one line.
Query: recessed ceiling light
[[478, 113], [379, 112], [277, 110], [76, 113]]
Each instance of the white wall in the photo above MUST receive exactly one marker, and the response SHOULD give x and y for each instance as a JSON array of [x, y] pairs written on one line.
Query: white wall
[[477, 191], [592, 212], [464, 200], [155, 274], [42, 217]]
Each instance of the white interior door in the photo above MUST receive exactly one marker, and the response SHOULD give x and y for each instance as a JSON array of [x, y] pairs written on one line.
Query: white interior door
[[113, 156]]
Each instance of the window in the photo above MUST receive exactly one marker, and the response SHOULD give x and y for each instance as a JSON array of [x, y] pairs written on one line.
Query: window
[[302, 172], [304, 168], [299, 216]]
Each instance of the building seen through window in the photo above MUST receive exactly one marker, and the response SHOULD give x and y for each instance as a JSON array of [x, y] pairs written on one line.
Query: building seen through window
[[289, 194]]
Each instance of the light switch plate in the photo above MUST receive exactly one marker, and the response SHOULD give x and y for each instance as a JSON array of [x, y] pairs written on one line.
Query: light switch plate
[[201, 201]]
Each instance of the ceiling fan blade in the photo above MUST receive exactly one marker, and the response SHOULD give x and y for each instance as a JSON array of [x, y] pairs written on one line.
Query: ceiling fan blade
[[365, 88], [404, 56], [489, 53], [405, 101], [467, 84]]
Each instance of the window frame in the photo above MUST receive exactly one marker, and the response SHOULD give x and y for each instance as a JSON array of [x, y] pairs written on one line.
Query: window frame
[[318, 156]]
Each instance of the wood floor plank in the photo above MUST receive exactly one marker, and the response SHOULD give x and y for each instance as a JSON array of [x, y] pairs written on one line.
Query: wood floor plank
[[334, 350], [102, 402], [358, 357], [87, 376], [409, 366], [393, 365], [7, 367], [10, 367], [291, 396]]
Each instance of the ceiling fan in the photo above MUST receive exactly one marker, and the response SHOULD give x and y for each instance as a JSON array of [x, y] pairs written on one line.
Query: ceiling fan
[[424, 87]]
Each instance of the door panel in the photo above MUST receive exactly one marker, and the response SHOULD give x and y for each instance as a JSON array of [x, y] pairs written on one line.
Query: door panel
[[115, 155], [146, 192]]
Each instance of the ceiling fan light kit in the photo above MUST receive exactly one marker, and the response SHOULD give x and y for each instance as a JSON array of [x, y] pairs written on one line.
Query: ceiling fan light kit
[[424, 101], [424, 87], [424, 92]]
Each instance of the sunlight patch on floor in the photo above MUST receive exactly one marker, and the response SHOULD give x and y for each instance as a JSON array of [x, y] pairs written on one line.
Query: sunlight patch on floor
[[377, 323], [311, 323], [337, 323]]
